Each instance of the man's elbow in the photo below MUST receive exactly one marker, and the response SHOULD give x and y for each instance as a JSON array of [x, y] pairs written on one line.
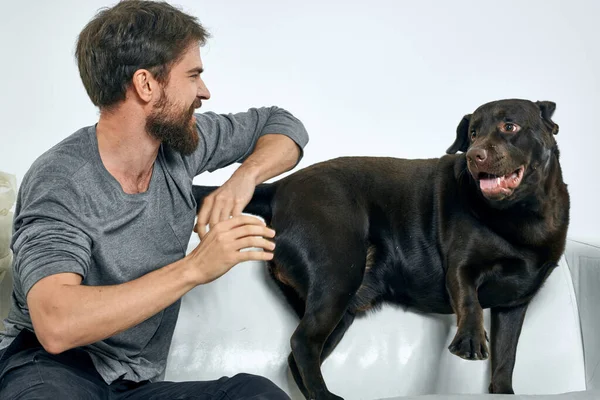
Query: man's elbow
[[53, 339], [51, 312]]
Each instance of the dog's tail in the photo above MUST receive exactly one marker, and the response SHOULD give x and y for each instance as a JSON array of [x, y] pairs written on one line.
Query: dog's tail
[[260, 204]]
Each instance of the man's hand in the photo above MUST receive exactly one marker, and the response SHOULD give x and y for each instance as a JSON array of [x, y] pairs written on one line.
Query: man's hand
[[227, 201], [220, 248], [273, 154]]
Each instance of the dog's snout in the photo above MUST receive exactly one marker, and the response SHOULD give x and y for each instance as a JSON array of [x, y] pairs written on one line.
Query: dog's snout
[[477, 155]]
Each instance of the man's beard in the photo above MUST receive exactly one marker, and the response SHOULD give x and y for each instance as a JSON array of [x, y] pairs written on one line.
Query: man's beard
[[174, 127]]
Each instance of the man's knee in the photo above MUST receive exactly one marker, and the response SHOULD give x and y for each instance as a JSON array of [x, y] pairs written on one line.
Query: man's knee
[[254, 387], [25, 382], [47, 390], [33, 374], [41, 391], [20, 378]]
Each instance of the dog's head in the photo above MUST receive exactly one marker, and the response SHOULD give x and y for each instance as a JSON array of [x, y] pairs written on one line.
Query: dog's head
[[508, 146]]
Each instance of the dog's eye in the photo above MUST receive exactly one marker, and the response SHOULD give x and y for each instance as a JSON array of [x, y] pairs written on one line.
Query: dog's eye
[[509, 127], [473, 134]]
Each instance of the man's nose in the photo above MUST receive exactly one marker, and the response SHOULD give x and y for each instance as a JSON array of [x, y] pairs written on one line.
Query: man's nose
[[203, 91]]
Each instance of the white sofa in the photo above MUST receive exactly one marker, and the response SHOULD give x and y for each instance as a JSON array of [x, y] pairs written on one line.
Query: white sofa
[[8, 190], [241, 323]]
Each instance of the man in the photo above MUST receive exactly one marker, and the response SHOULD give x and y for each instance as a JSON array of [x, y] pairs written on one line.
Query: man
[[103, 218]]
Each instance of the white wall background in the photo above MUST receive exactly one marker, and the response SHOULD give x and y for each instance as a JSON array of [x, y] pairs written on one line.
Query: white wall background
[[371, 77]]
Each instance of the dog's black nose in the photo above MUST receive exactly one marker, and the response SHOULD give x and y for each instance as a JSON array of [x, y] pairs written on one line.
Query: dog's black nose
[[477, 155]]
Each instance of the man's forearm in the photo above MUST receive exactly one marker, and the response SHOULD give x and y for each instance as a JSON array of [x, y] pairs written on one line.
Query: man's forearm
[[273, 155], [78, 315]]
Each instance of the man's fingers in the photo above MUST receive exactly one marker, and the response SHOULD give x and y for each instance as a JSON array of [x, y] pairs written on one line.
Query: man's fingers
[[255, 241], [214, 216], [226, 211], [247, 226], [200, 228], [238, 208], [254, 256], [204, 215], [241, 220], [252, 231]]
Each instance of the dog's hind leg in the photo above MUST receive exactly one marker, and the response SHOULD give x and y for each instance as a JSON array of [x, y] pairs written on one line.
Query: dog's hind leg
[[366, 297], [336, 336], [332, 341], [326, 309], [296, 374], [289, 292], [308, 342]]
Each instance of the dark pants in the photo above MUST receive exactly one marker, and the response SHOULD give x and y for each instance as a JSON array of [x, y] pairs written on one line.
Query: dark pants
[[27, 371]]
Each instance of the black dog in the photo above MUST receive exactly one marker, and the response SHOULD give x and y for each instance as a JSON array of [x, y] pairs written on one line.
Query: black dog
[[451, 235]]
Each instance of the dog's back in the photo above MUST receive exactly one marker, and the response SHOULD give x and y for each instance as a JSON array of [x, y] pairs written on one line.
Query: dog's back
[[403, 217]]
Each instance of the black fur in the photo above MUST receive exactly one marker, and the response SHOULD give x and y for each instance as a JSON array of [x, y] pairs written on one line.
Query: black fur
[[357, 231]]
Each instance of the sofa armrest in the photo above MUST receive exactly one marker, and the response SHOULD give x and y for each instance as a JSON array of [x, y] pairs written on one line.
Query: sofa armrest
[[583, 259]]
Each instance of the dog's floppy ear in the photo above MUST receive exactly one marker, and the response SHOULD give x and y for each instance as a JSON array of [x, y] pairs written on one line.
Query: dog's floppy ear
[[547, 110], [462, 136]]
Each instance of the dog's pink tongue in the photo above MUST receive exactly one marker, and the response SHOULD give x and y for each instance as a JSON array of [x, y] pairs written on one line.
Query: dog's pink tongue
[[492, 185]]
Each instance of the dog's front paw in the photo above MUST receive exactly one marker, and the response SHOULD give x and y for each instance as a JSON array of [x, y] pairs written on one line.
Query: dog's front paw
[[500, 388], [470, 345]]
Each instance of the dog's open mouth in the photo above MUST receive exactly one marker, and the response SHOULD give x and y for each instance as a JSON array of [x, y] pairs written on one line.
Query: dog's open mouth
[[494, 185]]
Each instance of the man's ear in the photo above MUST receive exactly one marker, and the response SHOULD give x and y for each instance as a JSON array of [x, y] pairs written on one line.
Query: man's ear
[[144, 85], [546, 111], [462, 136]]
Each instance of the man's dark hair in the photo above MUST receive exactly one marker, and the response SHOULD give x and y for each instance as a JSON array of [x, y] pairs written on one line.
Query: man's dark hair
[[132, 35]]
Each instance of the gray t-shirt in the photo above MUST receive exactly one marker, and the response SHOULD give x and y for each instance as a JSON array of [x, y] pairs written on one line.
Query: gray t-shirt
[[73, 216]]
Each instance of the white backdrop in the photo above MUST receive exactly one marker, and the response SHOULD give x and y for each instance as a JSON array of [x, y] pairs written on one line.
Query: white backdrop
[[371, 77]]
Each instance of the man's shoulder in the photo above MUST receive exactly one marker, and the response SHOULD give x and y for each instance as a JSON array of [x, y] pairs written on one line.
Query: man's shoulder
[[62, 163], [66, 157]]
